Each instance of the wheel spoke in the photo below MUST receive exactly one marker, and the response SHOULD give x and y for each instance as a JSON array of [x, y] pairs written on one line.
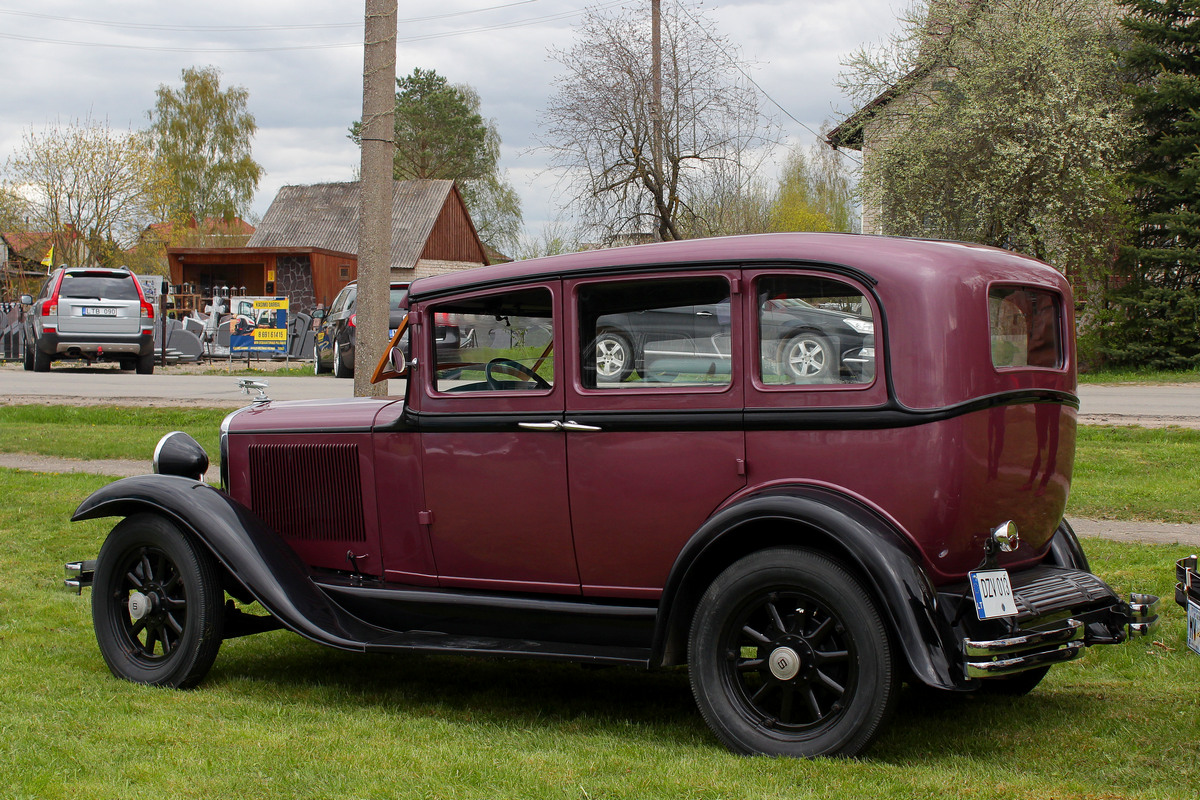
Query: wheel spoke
[[132, 578], [814, 708], [775, 618], [830, 683], [755, 635], [822, 630], [751, 665], [785, 706], [823, 657]]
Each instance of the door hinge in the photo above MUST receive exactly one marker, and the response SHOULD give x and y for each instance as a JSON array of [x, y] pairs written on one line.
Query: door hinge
[[424, 517], [741, 467]]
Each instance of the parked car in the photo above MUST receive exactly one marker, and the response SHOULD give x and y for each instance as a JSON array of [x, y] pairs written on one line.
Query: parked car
[[90, 313], [805, 344], [804, 547], [333, 343]]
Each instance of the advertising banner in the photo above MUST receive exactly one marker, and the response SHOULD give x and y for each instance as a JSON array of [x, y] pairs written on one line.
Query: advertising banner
[[259, 324]]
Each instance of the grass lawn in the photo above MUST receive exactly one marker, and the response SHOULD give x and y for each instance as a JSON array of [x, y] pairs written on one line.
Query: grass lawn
[[282, 717], [1139, 376]]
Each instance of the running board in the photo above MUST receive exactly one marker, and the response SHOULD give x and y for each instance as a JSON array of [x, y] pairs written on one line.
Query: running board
[[434, 642]]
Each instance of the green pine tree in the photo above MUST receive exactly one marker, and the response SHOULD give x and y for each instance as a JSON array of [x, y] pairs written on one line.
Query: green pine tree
[[1153, 318]]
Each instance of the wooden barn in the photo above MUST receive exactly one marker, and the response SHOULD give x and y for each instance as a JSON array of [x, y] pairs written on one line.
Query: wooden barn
[[306, 246]]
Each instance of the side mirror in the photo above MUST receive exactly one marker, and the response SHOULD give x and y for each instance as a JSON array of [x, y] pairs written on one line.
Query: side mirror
[[319, 314], [392, 364], [25, 300]]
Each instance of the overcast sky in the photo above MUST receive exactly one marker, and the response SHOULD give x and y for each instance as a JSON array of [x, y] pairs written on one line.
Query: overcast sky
[[301, 61]]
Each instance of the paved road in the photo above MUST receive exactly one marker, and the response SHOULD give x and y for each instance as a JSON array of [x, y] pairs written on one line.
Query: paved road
[[1177, 404]]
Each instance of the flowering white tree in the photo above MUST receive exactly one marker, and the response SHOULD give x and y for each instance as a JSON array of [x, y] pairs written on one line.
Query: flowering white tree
[[1013, 129]]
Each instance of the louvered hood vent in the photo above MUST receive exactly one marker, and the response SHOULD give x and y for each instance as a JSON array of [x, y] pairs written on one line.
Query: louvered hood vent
[[308, 491]]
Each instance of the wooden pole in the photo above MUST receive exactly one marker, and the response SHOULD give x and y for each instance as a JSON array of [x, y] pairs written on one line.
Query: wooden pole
[[375, 193]]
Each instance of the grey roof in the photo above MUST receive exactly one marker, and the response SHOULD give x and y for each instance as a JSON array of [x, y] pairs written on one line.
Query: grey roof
[[325, 216]]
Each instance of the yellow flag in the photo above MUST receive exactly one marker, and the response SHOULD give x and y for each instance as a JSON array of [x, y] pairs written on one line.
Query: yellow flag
[[48, 261]]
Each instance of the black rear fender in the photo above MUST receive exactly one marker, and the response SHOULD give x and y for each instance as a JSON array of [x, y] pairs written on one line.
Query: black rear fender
[[253, 554], [887, 564]]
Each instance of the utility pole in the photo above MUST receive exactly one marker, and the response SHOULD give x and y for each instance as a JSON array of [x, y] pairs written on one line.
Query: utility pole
[[375, 194]]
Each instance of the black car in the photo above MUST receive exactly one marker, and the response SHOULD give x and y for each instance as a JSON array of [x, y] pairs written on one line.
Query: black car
[[333, 347], [821, 339]]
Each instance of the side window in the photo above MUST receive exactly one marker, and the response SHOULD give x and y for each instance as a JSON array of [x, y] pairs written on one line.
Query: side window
[[1025, 327], [494, 343], [670, 332], [345, 298], [814, 331]]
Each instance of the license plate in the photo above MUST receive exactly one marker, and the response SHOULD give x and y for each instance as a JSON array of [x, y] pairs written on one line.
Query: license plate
[[90, 311], [993, 594], [1193, 633]]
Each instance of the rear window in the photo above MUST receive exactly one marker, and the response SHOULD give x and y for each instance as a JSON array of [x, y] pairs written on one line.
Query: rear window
[[1026, 327], [99, 286]]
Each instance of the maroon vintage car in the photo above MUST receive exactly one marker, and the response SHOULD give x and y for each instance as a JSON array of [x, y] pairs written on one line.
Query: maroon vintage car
[[809, 486]]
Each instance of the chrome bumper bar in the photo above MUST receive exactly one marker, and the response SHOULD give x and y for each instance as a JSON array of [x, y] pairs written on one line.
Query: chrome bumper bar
[[1066, 641], [79, 575]]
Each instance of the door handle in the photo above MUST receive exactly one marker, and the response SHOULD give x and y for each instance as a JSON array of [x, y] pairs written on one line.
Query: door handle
[[571, 425], [541, 426], [555, 425]]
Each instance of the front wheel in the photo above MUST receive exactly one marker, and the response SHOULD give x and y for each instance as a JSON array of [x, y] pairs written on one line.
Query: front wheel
[[157, 604], [614, 357], [789, 656], [808, 357]]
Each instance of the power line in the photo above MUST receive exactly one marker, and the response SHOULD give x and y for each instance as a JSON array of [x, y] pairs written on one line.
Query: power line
[[554, 17], [764, 92]]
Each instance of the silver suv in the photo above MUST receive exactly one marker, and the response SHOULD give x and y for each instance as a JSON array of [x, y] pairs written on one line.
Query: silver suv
[[93, 313]]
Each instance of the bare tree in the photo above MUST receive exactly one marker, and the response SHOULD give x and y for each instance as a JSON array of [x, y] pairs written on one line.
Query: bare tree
[[600, 123], [93, 187]]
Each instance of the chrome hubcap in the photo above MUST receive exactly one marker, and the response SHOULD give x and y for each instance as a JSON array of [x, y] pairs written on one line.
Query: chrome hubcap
[[784, 663], [139, 605]]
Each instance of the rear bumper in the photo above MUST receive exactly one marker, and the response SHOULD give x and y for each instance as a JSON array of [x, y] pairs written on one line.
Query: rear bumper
[[1061, 612], [94, 345]]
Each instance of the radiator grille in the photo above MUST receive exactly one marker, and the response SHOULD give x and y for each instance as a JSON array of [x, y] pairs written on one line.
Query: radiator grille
[[308, 491]]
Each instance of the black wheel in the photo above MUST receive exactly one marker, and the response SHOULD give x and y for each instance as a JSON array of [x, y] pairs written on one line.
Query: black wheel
[[318, 367], [614, 357], [808, 357], [340, 368], [127, 364], [41, 361], [145, 364], [28, 361], [1017, 685], [513, 368], [789, 656], [156, 604]]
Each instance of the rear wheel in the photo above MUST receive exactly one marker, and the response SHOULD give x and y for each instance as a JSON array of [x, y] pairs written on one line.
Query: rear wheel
[[789, 656], [145, 364], [156, 604], [41, 361], [340, 368], [614, 357]]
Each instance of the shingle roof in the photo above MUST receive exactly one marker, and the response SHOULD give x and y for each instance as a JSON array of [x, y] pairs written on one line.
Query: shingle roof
[[325, 216]]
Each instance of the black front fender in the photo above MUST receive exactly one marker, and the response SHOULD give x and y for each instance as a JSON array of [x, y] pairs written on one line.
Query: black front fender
[[254, 554], [887, 563]]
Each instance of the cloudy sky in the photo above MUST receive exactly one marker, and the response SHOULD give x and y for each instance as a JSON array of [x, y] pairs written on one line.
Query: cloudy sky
[[301, 61]]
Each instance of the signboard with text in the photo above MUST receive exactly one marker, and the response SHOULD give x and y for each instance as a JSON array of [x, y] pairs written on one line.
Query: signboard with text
[[259, 324]]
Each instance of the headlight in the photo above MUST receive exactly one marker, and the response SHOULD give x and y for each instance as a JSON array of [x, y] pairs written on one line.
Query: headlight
[[179, 454], [864, 326]]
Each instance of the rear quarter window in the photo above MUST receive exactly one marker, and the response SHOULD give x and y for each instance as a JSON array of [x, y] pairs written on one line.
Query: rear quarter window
[[1026, 327]]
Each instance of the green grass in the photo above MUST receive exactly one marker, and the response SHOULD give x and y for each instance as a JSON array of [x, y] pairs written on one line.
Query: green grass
[[92, 432], [1132, 473], [1139, 376], [282, 717]]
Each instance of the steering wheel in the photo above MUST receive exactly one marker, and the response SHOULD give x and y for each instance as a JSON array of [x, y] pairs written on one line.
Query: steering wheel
[[515, 367]]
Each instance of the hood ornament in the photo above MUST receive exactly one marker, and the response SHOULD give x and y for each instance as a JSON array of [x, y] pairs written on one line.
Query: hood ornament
[[246, 384]]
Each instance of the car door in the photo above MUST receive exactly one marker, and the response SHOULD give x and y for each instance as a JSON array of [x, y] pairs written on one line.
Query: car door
[[653, 455], [493, 454]]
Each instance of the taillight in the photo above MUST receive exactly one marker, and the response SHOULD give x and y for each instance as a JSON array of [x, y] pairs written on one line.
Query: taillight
[[441, 318], [147, 310], [50, 307], [352, 316]]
